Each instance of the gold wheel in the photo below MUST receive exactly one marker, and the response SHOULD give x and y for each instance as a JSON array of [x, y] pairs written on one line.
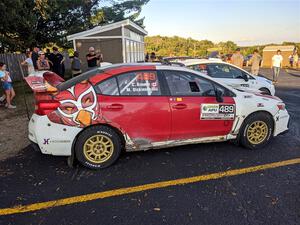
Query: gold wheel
[[257, 132], [98, 148]]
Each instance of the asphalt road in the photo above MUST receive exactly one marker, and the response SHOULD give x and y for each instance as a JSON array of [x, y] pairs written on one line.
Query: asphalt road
[[269, 196]]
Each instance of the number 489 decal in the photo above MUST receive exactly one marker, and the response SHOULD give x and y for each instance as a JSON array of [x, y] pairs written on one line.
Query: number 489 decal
[[226, 109], [217, 112]]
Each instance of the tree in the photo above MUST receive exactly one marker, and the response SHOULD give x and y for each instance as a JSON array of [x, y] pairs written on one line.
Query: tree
[[31, 22]]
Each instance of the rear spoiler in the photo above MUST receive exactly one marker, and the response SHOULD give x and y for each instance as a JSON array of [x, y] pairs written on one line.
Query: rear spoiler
[[46, 82]]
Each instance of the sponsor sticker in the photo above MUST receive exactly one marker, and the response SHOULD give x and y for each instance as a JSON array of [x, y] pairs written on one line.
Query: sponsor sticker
[[217, 112]]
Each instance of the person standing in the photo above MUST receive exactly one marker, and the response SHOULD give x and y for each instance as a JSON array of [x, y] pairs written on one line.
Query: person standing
[[92, 58], [35, 57], [276, 65], [255, 62], [237, 58], [76, 64], [56, 59], [29, 63], [7, 86], [42, 62], [295, 60]]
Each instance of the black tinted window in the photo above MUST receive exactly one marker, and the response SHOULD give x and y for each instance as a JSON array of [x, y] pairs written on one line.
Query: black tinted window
[[224, 71], [200, 67], [108, 87], [187, 84]]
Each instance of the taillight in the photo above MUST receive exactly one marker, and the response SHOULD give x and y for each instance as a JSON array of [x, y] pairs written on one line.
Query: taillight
[[281, 106], [45, 107]]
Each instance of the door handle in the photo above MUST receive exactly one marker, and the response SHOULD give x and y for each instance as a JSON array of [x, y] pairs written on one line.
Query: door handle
[[179, 106], [114, 106]]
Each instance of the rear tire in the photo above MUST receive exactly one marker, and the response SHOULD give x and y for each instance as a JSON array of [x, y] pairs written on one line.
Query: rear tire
[[256, 131], [98, 147]]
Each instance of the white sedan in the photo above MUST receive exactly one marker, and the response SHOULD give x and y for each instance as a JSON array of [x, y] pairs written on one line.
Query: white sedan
[[228, 74]]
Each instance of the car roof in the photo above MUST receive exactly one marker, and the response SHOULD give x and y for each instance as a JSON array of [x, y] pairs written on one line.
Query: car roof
[[102, 73], [190, 62]]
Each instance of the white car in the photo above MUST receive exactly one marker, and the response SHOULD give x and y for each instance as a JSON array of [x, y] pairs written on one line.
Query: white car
[[229, 74], [132, 107]]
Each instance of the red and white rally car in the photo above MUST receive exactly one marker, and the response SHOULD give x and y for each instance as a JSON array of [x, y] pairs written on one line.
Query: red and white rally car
[[132, 107]]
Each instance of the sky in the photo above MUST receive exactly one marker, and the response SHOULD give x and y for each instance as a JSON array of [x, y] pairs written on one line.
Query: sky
[[246, 22]]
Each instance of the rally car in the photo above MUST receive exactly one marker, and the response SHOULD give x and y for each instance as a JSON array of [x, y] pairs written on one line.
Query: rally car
[[132, 107], [227, 73]]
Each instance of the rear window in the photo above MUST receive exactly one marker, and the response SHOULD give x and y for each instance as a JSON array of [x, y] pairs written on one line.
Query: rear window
[[84, 76]]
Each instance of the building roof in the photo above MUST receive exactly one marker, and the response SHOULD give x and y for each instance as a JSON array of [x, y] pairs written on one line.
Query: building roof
[[107, 27], [279, 47]]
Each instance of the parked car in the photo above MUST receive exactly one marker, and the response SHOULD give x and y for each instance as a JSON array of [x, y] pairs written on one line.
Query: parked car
[[230, 75], [133, 107]]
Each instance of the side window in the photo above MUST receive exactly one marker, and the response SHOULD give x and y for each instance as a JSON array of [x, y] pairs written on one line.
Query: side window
[[224, 71], [187, 84], [236, 73], [141, 83], [108, 87], [200, 67]]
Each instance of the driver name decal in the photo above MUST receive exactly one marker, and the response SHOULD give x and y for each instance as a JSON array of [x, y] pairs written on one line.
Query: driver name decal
[[217, 112]]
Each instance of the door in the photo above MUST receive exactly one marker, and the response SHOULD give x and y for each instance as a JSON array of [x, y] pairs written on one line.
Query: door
[[134, 102], [229, 75], [195, 110]]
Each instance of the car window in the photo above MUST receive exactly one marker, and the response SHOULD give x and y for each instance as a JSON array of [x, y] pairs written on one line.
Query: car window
[[141, 83], [224, 71], [186, 84], [199, 67], [108, 87]]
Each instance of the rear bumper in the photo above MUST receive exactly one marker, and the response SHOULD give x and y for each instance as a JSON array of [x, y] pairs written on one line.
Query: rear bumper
[[51, 138]]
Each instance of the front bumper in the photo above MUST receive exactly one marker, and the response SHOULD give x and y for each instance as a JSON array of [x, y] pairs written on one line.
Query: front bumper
[[282, 122], [51, 138]]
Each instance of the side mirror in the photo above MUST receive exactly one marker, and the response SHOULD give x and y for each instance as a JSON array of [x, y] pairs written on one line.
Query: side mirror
[[245, 77], [219, 95]]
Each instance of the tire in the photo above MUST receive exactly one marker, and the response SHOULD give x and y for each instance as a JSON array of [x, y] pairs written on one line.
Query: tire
[[98, 147], [256, 131], [265, 91]]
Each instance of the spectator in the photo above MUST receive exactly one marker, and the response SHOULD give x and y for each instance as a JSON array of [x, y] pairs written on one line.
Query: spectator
[[29, 63], [7, 86], [255, 62], [93, 58], [35, 57], [276, 65], [76, 64], [42, 62], [57, 60], [47, 54], [147, 57], [295, 60], [291, 59], [152, 57], [237, 58]]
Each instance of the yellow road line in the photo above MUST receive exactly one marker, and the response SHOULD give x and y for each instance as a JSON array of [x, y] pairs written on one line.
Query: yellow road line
[[134, 189]]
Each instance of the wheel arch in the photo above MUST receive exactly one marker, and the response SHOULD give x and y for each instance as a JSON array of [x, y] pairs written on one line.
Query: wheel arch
[[118, 131], [257, 112]]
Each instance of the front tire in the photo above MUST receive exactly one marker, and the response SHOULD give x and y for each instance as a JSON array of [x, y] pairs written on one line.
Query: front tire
[[256, 131], [98, 147]]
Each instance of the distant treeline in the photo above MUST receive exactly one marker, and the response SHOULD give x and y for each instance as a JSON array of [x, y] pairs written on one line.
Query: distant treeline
[[178, 46]]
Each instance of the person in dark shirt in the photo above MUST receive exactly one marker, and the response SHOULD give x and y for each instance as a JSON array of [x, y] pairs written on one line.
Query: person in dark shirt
[[57, 60], [35, 57], [93, 58]]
